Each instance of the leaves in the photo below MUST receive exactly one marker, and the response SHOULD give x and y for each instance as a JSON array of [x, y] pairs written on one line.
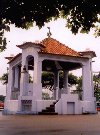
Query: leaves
[[20, 11], [80, 15], [96, 79], [48, 79], [4, 26], [4, 78]]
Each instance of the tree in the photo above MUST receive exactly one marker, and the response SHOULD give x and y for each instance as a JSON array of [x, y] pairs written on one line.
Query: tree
[[48, 79], [96, 79], [79, 87], [4, 78], [79, 82], [72, 79], [96, 82], [2, 98], [80, 15]]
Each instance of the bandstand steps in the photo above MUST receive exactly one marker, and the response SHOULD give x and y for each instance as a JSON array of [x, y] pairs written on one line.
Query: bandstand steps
[[49, 110], [47, 113]]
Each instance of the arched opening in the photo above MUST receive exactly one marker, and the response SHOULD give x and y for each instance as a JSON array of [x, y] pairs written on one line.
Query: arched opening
[[15, 89], [30, 67]]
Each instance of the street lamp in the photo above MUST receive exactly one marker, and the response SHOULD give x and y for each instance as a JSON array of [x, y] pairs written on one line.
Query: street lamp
[[7, 80]]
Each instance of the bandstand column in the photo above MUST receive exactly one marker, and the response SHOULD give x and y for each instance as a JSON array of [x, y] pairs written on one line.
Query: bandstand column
[[56, 85], [92, 84], [65, 81], [37, 85], [24, 80], [86, 82], [10, 83], [16, 77]]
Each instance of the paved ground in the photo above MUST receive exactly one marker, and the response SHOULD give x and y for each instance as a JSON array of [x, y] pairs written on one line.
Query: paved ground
[[50, 125]]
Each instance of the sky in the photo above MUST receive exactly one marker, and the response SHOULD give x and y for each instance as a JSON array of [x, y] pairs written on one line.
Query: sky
[[79, 42]]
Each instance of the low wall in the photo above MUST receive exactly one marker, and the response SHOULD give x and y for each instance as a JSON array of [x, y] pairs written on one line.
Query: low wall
[[11, 107], [80, 107], [61, 105], [58, 107]]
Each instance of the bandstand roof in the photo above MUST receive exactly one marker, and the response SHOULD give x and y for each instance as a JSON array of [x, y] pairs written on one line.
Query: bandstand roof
[[51, 46]]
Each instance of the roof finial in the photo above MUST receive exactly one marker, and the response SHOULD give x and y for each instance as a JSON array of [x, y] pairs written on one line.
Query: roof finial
[[49, 33]]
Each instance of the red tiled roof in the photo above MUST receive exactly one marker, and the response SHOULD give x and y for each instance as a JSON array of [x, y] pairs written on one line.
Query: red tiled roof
[[52, 46]]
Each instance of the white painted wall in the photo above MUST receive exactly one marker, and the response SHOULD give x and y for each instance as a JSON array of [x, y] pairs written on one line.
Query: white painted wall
[[61, 105], [30, 89], [11, 106], [80, 106], [89, 106]]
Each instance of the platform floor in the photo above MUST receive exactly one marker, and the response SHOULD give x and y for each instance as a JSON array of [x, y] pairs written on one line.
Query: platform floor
[[50, 125]]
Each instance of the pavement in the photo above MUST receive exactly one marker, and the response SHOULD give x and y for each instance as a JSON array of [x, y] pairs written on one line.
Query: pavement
[[50, 125]]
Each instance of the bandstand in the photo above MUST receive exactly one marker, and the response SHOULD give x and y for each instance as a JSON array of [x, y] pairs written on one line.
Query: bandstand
[[51, 56]]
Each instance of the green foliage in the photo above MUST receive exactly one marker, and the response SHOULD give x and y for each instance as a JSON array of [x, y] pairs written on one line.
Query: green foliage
[[4, 26], [4, 78], [80, 15], [72, 79], [79, 87], [48, 79], [30, 79], [2, 98], [96, 79], [45, 96], [79, 82]]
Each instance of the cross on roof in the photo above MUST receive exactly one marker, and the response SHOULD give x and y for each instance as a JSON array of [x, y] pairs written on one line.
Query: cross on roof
[[49, 33]]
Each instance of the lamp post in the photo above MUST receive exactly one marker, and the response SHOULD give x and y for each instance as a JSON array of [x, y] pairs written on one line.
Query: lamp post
[[7, 80]]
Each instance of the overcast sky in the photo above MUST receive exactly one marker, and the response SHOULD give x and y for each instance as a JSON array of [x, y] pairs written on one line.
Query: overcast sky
[[79, 42]]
